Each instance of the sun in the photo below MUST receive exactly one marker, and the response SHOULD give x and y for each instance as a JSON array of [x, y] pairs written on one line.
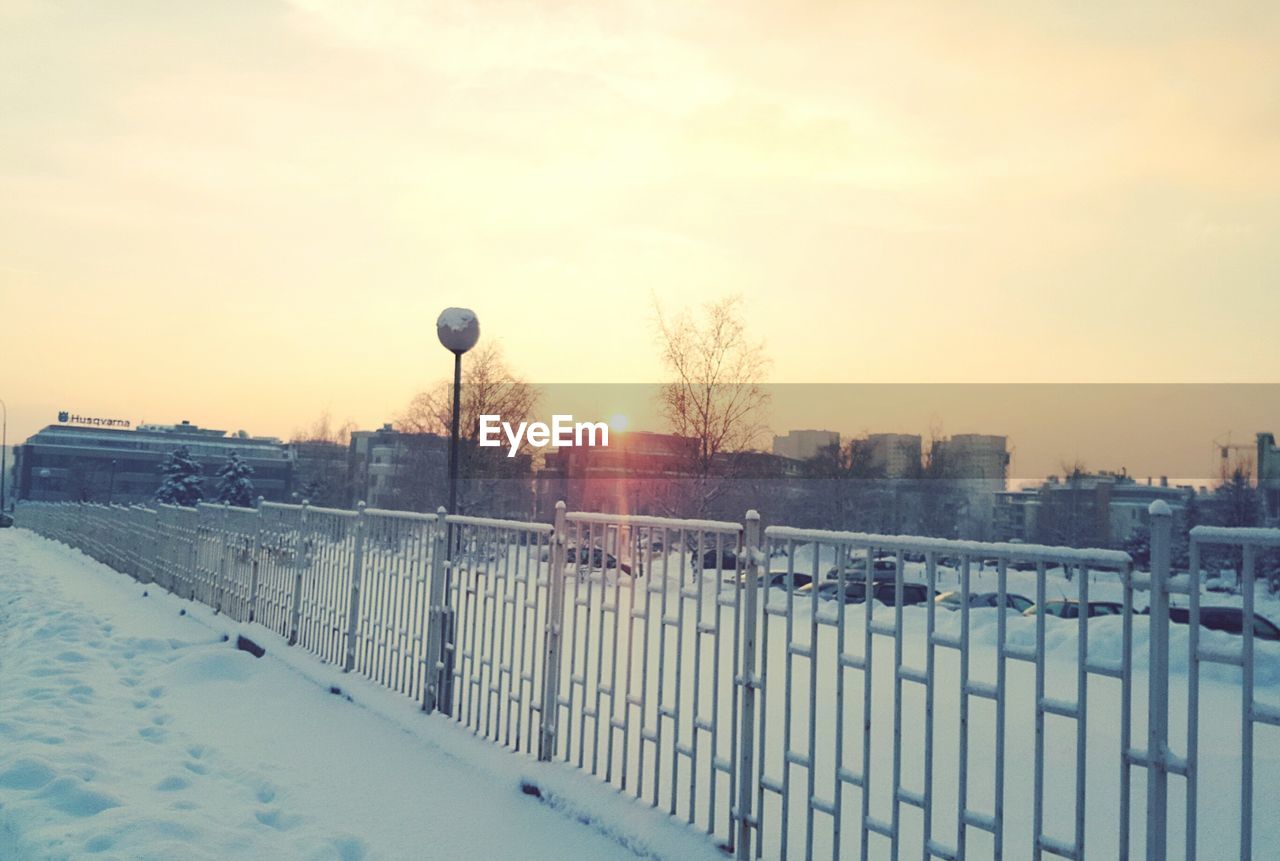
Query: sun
[[618, 422]]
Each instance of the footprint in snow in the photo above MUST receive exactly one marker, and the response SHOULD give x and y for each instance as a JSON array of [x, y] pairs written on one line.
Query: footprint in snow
[[172, 783], [277, 819], [153, 734]]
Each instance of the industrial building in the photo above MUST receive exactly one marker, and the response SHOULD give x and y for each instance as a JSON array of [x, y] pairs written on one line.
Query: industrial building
[[68, 462], [804, 444]]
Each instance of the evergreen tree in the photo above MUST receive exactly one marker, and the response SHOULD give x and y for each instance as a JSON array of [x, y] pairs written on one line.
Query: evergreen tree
[[182, 477], [234, 483], [1238, 504], [1138, 546]]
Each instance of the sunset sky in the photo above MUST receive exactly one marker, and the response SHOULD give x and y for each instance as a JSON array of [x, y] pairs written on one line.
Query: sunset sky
[[246, 213]]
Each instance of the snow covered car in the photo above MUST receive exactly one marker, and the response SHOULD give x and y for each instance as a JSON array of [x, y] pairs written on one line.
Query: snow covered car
[[953, 600], [594, 558], [1071, 609], [6, 520], [857, 568], [1228, 619], [778, 579], [855, 592]]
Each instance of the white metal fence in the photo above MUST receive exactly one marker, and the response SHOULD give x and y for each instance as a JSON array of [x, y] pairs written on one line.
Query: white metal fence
[[793, 692]]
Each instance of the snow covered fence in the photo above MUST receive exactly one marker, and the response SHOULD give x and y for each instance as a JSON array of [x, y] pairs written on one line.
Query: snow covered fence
[[854, 746], [688, 664], [1251, 542]]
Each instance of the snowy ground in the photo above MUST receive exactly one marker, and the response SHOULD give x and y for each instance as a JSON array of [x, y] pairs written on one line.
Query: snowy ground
[[130, 729]]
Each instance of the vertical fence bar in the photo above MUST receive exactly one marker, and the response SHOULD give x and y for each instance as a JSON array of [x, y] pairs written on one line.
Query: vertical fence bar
[[434, 695], [252, 609], [747, 683], [1037, 804], [550, 708], [224, 562], [1246, 579], [1193, 692], [353, 603], [300, 564], [1158, 700]]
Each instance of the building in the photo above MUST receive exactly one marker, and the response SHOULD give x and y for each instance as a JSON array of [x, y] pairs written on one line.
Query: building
[[1088, 510], [894, 455], [91, 463], [390, 469], [976, 467], [634, 473], [804, 444], [387, 468], [1014, 515], [1131, 502], [983, 457], [320, 472]]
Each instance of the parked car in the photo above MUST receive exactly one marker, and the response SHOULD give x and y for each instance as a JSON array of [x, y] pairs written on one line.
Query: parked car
[[778, 579], [594, 558], [953, 600], [855, 592], [1229, 619], [728, 559], [857, 567], [6, 520], [1071, 609], [1219, 584]]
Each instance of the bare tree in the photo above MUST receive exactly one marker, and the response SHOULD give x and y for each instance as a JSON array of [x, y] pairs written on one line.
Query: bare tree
[[321, 471], [940, 497], [716, 395], [324, 430], [489, 479], [489, 387], [848, 488]]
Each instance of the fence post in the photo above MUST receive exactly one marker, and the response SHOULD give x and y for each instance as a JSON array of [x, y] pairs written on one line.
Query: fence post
[[433, 693], [299, 564], [193, 533], [257, 557], [549, 713], [747, 683], [224, 565], [1158, 672], [353, 612]]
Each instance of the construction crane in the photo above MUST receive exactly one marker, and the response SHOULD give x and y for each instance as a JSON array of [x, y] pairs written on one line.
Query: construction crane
[[1224, 447]]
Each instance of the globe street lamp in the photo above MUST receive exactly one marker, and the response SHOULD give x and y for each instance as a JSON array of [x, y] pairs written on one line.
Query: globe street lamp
[[458, 330]]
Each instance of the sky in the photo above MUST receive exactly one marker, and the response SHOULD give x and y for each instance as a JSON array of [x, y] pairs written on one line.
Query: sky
[[246, 213]]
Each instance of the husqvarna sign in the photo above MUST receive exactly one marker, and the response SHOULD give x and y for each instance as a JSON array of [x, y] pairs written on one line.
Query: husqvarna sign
[[69, 418]]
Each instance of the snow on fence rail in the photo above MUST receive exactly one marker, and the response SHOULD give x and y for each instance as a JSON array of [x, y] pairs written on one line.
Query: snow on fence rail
[[741, 680]]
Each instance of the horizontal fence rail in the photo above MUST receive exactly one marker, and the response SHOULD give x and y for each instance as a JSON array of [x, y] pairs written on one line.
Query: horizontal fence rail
[[793, 693]]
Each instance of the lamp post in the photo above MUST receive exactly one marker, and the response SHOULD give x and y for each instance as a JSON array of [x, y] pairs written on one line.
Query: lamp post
[[458, 330]]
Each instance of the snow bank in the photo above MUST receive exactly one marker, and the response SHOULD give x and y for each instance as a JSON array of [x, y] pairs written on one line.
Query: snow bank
[[132, 728]]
